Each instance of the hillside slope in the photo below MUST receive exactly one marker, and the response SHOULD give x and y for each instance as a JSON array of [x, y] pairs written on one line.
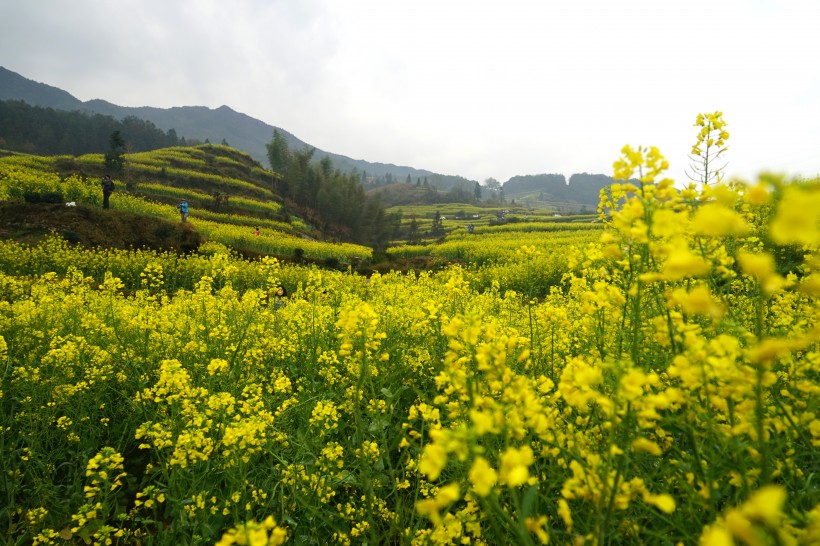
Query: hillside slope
[[233, 202], [94, 227]]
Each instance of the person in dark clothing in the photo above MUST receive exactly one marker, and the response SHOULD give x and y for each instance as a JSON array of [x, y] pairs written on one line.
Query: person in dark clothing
[[107, 188], [280, 294]]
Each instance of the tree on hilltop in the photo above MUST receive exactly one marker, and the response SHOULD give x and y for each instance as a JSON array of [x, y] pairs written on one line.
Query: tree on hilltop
[[115, 156]]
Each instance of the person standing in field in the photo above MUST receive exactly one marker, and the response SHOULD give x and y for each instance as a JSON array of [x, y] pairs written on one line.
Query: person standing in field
[[279, 294], [183, 210], [107, 189]]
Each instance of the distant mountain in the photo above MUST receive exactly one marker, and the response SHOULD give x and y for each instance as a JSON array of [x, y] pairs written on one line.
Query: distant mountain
[[586, 188], [13, 86], [582, 188], [198, 122], [553, 184]]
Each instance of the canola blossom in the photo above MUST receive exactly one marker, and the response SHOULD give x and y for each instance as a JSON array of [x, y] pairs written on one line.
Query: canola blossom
[[662, 388]]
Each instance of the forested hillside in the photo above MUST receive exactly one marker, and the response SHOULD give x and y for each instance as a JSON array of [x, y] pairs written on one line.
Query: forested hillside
[[582, 188], [554, 184], [46, 131]]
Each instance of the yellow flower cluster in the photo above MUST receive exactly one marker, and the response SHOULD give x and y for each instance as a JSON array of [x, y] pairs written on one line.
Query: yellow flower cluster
[[661, 386], [253, 533]]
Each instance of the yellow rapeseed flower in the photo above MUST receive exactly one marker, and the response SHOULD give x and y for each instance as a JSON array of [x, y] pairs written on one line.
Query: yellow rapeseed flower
[[716, 536], [444, 497], [632, 384], [483, 422], [565, 513], [433, 460], [217, 365], [810, 284], [683, 263], [758, 265], [798, 217], [716, 220], [515, 464], [763, 510], [252, 533], [765, 505], [647, 445], [757, 195], [722, 194], [537, 526], [482, 476], [663, 502], [761, 266], [667, 222], [697, 301]]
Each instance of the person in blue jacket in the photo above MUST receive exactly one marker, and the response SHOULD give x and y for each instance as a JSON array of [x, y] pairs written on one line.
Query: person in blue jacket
[[183, 210]]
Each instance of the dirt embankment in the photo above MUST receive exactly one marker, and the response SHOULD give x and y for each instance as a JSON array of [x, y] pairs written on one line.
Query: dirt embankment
[[94, 227]]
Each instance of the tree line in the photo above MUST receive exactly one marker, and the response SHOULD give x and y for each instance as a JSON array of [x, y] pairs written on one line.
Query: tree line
[[46, 131], [335, 200]]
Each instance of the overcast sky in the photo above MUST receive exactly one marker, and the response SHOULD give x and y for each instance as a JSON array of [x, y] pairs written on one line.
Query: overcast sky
[[463, 87]]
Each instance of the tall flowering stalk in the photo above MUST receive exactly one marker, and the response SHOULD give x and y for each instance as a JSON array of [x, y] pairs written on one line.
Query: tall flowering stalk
[[708, 149]]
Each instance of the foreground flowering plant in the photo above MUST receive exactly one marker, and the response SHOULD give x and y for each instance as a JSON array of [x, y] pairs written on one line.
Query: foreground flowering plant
[[665, 391]]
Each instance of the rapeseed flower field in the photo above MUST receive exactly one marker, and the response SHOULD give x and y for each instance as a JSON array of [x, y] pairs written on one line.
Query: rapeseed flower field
[[664, 390]]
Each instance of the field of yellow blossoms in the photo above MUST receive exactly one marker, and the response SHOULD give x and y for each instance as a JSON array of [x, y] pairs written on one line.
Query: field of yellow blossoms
[[665, 391]]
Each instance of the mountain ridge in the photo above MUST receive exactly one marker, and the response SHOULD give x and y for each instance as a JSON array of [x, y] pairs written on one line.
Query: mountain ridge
[[240, 130], [251, 135]]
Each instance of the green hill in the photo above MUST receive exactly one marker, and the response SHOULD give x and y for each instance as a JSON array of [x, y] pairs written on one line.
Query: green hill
[[230, 196]]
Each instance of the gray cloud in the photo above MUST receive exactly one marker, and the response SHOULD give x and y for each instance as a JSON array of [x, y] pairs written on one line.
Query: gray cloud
[[475, 88]]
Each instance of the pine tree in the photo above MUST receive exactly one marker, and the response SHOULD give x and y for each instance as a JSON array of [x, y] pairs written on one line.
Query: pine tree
[[115, 156], [413, 232], [278, 153], [437, 229]]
